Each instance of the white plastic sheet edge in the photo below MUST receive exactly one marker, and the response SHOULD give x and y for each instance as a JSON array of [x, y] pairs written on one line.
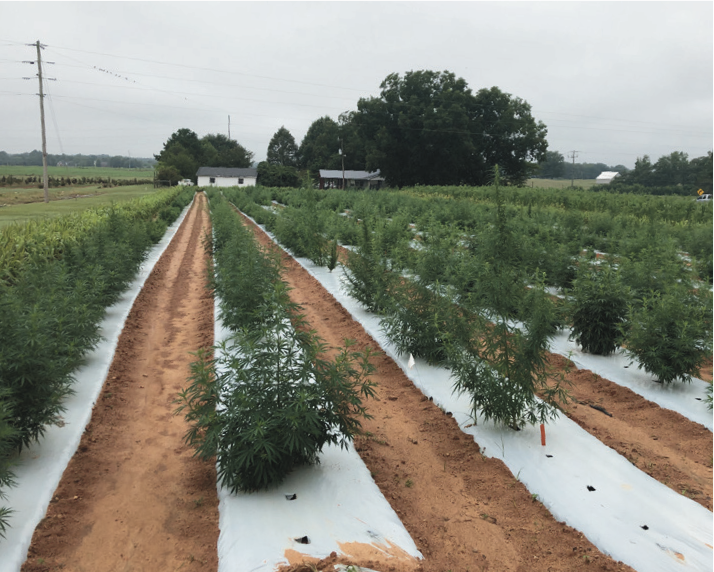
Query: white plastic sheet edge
[[624, 500], [40, 466]]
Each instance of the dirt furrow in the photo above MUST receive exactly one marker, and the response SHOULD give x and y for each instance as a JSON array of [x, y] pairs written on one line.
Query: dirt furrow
[[664, 444], [465, 511], [133, 497]]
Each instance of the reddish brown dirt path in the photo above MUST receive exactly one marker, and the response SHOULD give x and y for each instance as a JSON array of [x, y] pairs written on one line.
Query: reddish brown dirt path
[[662, 443], [465, 512], [133, 498]]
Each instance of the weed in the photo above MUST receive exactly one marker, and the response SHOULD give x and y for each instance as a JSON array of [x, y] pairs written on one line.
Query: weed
[[409, 484]]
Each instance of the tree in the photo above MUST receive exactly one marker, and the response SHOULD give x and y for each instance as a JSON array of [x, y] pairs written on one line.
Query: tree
[[553, 167], [428, 128], [182, 151], [319, 148], [277, 175], [282, 149], [185, 152], [229, 153]]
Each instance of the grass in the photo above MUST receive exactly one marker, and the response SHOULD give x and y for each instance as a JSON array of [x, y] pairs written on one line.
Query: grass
[[559, 183], [14, 212], [103, 172]]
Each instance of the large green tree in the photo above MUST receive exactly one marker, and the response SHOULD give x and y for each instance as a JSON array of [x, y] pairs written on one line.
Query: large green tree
[[185, 153], [429, 128], [282, 149], [320, 148], [553, 167], [673, 170]]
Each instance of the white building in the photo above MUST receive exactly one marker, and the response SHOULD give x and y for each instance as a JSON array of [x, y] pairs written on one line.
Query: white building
[[225, 177], [606, 177]]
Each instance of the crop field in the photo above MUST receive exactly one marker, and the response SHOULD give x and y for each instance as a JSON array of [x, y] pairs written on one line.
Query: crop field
[[17, 206], [560, 183], [22, 171], [430, 379]]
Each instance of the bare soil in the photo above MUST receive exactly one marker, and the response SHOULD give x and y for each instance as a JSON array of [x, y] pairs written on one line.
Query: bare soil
[[133, 497]]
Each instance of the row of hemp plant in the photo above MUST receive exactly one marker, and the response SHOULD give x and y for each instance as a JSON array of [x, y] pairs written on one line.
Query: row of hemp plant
[[458, 308], [52, 300], [663, 322], [631, 310], [268, 399]]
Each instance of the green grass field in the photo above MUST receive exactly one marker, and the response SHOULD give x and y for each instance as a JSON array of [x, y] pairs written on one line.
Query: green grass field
[[103, 172], [560, 183], [58, 206]]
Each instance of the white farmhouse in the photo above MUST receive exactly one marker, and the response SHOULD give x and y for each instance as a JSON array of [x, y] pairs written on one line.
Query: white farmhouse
[[606, 177], [226, 177]]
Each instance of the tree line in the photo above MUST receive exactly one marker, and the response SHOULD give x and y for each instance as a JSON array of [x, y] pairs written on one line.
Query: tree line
[[425, 128], [670, 174], [34, 159]]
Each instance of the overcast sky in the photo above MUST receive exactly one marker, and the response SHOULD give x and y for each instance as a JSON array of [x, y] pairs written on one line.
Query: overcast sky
[[612, 81]]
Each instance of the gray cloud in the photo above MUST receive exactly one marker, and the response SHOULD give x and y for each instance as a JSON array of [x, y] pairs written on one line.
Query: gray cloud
[[613, 80]]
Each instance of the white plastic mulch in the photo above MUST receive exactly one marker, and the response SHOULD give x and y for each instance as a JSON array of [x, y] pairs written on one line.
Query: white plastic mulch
[[624, 512], [684, 398], [331, 506], [40, 466]]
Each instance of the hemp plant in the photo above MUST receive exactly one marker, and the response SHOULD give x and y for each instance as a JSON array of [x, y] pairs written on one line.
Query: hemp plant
[[418, 318], [7, 478], [670, 333], [597, 307], [270, 401], [504, 364], [368, 271]]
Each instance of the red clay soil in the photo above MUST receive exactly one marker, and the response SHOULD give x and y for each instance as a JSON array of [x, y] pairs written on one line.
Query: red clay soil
[[662, 443], [133, 497]]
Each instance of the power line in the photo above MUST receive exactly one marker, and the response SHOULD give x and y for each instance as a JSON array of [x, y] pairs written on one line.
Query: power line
[[214, 70]]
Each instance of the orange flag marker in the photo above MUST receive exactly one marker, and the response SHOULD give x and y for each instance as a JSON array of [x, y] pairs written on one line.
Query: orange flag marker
[[542, 434]]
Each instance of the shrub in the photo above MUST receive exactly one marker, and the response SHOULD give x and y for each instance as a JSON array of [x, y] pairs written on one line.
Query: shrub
[[597, 307], [670, 334]]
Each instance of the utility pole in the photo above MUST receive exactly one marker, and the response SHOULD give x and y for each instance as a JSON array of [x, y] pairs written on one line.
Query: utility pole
[[42, 120], [343, 163], [572, 171]]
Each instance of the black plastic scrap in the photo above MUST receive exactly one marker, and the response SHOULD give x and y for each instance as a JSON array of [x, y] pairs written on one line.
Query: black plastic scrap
[[303, 540], [291, 497], [601, 409]]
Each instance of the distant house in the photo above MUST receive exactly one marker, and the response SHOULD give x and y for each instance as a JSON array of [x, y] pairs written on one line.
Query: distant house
[[332, 179], [226, 177], [606, 177]]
